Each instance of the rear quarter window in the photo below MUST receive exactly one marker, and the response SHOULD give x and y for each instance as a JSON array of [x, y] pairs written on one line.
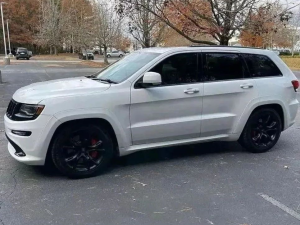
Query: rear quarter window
[[261, 66]]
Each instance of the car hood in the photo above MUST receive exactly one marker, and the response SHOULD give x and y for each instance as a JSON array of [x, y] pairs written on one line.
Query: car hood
[[34, 93]]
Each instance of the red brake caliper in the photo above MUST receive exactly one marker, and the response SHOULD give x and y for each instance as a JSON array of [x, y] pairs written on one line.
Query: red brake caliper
[[94, 154]]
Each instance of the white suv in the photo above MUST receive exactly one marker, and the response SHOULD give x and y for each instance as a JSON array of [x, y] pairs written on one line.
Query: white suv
[[154, 97]]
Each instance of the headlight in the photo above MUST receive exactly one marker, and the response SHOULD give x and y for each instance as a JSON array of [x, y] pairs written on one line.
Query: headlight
[[29, 112]]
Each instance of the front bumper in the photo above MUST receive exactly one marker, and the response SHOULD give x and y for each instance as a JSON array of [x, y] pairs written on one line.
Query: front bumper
[[36, 145]]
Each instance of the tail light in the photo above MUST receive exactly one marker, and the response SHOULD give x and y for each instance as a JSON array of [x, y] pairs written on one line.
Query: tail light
[[295, 84]]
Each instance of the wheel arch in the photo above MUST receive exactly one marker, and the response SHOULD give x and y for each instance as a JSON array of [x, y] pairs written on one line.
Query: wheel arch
[[278, 106], [99, 121]]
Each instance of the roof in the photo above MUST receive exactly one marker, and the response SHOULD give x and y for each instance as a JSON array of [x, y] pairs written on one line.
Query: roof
[[162, 50]]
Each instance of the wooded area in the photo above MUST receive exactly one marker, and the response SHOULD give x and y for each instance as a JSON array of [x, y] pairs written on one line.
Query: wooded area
[[52, 26]]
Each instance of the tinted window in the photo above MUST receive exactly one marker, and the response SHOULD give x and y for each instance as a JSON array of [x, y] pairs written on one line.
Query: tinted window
[[178, 69], [261, 66], [223, 66]]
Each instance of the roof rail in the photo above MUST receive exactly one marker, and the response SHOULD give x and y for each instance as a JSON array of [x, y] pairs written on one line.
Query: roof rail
[[223, 46]]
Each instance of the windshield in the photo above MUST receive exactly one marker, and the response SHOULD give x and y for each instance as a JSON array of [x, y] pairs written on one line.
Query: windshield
[[126, 67]]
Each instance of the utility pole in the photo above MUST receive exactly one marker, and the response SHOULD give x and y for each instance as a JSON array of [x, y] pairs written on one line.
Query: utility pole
[[6, 59], [8, 37]]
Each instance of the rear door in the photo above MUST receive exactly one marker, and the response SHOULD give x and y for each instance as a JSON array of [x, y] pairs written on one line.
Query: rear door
[[227, 91]]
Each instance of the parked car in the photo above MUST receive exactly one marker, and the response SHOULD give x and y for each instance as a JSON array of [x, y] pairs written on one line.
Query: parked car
[[119, 54], [86, 54], [153, 98], [22, 53]]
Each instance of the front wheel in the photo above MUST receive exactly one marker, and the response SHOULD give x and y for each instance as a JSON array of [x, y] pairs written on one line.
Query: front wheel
[[82, 150], [262, 131]]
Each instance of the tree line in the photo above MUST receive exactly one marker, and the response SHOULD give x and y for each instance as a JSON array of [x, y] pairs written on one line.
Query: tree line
[[52, 25]]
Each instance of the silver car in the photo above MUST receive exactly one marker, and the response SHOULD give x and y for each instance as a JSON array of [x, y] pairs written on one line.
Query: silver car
[[119, 54]]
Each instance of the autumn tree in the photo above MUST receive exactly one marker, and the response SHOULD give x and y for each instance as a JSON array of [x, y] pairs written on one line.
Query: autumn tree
[[194, 18], [23, 18], [266, 26], [121, 42]]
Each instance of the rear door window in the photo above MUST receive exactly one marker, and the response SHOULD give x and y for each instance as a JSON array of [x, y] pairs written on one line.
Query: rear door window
[[261, 66], [223, 66]]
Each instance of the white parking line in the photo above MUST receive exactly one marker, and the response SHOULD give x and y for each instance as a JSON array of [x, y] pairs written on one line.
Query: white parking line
[[280, 205]]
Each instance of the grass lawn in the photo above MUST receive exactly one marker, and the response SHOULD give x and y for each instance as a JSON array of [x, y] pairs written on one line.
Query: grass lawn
[[293, 63]]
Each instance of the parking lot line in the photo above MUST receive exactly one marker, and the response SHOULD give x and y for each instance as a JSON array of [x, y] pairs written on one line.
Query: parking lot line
[[280, 205]]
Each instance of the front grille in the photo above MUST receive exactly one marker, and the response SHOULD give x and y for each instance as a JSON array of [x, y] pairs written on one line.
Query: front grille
[[11, 109]]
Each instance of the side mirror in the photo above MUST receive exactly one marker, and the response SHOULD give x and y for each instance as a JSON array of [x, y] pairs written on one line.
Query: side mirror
[[151, 78]]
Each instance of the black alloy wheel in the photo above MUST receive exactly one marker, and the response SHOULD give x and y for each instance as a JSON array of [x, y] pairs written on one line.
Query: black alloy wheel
[[82, 150], [262, 131]]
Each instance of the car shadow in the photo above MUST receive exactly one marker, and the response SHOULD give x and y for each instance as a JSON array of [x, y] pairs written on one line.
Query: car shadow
[[177, 153], [156, 156]]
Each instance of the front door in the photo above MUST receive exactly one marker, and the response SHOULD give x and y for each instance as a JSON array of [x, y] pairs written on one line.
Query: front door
[[227, 92], [172, 110]]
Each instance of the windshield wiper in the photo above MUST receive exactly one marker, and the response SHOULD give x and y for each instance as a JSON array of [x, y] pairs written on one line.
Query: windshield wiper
[[106, 80]]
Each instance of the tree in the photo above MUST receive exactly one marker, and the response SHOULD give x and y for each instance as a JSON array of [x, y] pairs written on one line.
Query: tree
[[78, 29], [51, 24], [266, 27], [295, 30], [144, 26], [23, 18], [107, 26], [121, 42], [194, 18]]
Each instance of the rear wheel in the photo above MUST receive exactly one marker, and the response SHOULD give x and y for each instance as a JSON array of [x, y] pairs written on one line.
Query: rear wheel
[[121, 56], [262, 131], [82, 150]]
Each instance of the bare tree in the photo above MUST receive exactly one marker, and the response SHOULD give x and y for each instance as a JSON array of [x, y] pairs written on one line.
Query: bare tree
[[78, 30], [143, 25], [295, 30], [107, 26], [50, 24]]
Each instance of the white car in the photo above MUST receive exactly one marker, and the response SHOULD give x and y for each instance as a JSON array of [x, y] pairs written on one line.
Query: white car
[[119, 54], [156, 97]]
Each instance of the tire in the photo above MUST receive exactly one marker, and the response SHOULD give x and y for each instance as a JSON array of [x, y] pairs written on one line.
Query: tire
[[262, 131], [82, 150], [17, 58], [120, 56], [108, 56], [27, 58], [93, 58]]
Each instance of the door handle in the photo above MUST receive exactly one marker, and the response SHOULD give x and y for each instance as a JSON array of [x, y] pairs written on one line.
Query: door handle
[[246, 86], [190, 91]]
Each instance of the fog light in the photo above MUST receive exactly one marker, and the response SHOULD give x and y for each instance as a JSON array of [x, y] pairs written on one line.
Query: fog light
[[21, 133]]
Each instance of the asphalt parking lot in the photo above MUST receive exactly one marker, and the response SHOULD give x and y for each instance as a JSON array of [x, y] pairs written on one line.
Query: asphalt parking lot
[[213, 183]]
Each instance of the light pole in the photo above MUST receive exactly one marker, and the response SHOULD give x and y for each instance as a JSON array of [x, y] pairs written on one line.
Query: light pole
[[8, 38], [3, 27], [6, 59]]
